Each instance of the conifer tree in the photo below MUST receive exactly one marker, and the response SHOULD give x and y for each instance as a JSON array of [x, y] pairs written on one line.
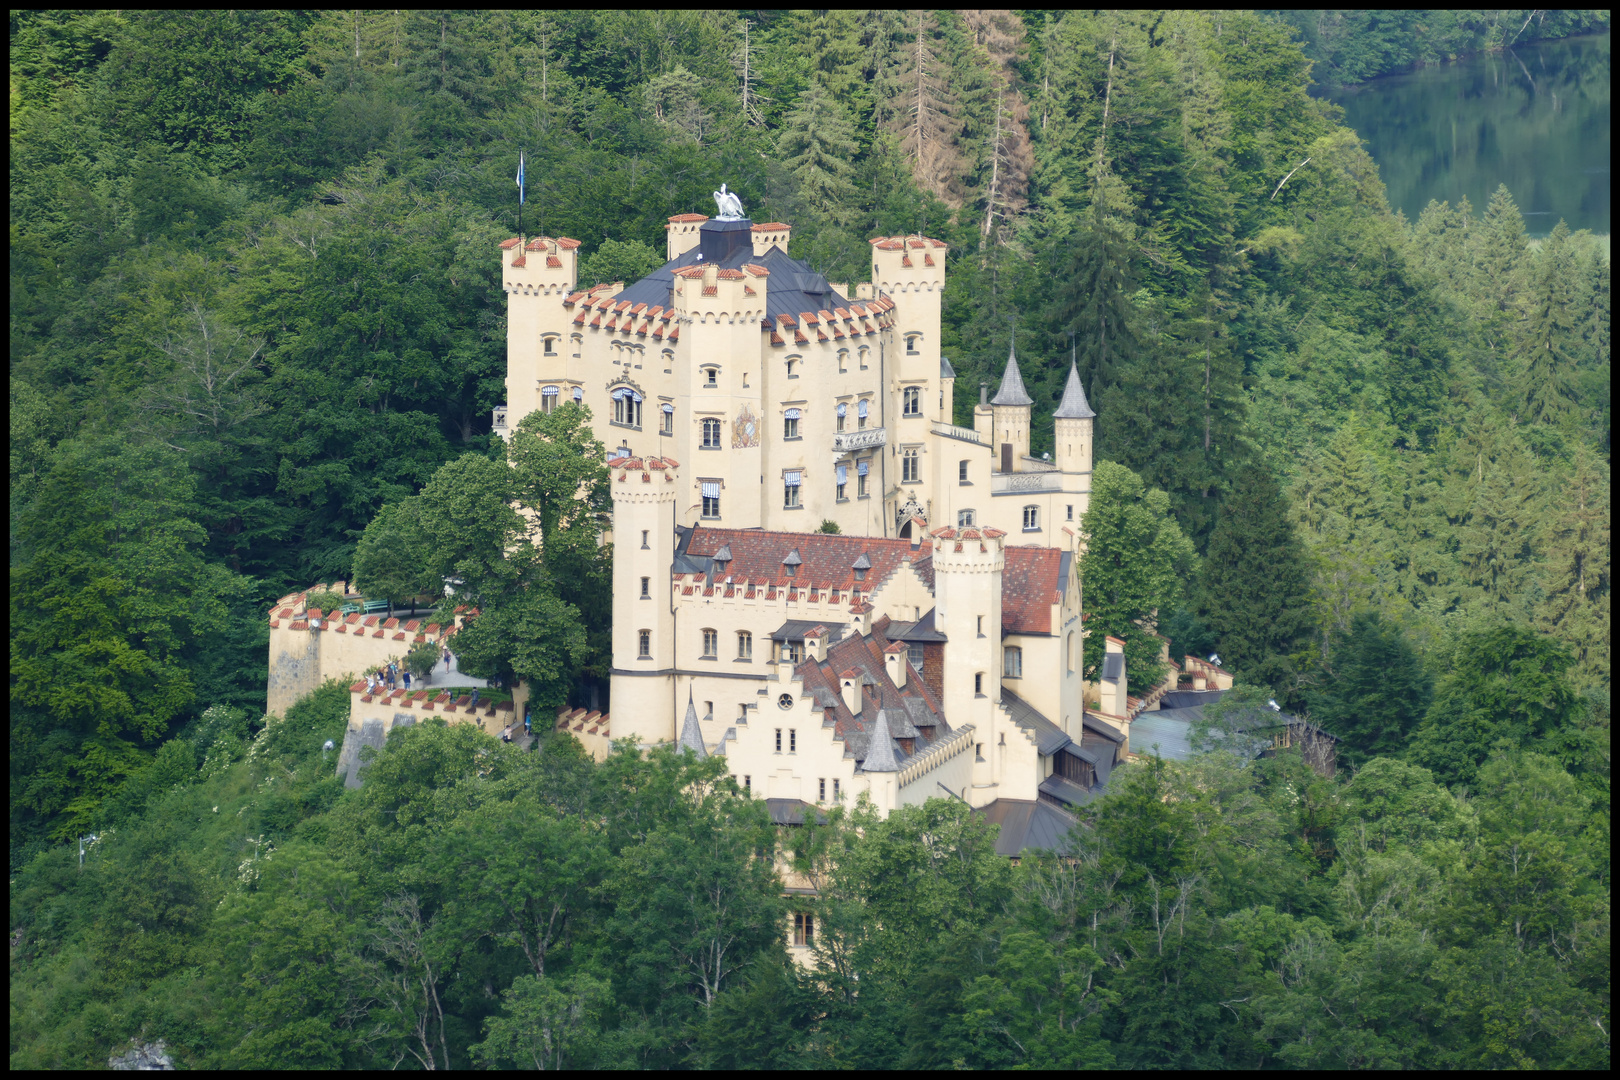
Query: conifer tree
[[817, 144], [1495, 545], [1548, 333], [1376, 691], [1500, 245], [1256, 589], [1576, 574]]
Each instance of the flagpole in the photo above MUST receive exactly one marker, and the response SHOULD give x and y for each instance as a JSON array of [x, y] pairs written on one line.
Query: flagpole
[[520, 202]]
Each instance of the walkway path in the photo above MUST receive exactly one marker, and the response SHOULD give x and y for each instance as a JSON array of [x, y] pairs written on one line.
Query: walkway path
[[446, 680]]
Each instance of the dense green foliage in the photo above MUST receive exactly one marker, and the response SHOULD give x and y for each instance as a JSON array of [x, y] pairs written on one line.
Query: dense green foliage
[[475, 904], [1349, 46], [256, 334]]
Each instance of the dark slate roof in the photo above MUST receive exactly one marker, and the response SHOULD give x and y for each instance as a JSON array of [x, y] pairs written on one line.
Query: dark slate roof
[[1113, 666], [910, 713], [795, 629], [1067, 791], [691, 734], [1100, 729], [1074, 405], [1170, 730], [1012, 390], [1186, 699], [1049, 738], [880, 756], [1100, 754], [921, 630], [788, 291], [791, 811], [945, 369], [1028, 826]]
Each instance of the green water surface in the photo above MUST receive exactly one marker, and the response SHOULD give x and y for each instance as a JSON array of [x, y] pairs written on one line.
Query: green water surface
[[1535, 118]]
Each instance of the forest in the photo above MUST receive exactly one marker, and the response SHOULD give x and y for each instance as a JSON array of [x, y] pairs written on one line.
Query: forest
[[256, 322]]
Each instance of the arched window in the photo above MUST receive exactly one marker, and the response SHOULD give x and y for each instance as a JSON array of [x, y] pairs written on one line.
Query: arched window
[[711, 644], [865, 351], [912, 401], [843, 411], [745, 646], [550, 343], [843, 361], [669, 419], [711, 433], [626, 407], [1032, 519], [862, 407], [1012, 665], [911, 344], [793, 366], [711, 377], [548, 398], [574, 340], [644, 644]]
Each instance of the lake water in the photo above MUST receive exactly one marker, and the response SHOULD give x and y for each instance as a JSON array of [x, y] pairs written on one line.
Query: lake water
[[1535, 118]]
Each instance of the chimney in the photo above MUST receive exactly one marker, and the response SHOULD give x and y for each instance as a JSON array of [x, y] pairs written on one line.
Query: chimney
[[860, 617], [815, 643], [849, 686], [894, 661]]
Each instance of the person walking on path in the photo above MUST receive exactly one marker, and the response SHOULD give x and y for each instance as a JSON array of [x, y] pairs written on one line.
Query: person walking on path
[[526, 718], [407, 682], [447, 659]]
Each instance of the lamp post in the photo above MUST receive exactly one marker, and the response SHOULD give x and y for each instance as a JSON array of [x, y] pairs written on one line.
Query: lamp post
[[92, 838]]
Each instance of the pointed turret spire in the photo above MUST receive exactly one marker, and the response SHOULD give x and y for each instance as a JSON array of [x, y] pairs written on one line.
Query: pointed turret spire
[[1074, 405], [691, 734], [880, 751], [1012, 390]]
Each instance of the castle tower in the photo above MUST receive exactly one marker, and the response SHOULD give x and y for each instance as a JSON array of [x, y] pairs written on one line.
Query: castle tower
[[968, 565], [719, 311], [1073, 422], [1010, 418], [536, 277], [644, 506], [681, 234]]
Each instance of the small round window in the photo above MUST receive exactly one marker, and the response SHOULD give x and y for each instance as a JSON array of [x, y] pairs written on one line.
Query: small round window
[[785, 701]]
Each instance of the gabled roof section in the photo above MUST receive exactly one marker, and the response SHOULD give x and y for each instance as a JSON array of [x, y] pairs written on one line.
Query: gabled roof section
[[1049, 738], [1074, 405], [880, 757], [945, 369], [825, 560], [1012, 390], [911, 713], [1030, 584]]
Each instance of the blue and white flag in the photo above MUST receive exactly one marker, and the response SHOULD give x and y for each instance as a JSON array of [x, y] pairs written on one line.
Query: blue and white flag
[[520, 177]]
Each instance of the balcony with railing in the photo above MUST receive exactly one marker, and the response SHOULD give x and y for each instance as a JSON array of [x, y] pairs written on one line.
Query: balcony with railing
[[845, 441], [1008, 483], [951, 431]]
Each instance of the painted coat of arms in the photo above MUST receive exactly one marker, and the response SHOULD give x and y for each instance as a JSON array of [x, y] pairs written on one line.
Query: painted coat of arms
[[744, 429]]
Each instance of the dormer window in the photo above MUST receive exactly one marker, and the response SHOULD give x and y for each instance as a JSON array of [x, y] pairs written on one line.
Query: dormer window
[[791, 564], [861, 566]]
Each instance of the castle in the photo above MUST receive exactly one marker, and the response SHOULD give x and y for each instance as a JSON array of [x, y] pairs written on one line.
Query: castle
[[934, 644]]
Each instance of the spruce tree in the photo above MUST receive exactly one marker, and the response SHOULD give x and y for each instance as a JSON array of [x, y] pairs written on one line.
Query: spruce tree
[[1376, 691], [1549, 333], [1576, 573], [817, 144], [1256, 588]]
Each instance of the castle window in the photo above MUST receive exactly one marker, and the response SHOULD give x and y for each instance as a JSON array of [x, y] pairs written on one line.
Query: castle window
[[574, 340], [1068, 652], [965, 519], [745, 650], [708, 710], [644, 644], [962, 472], [914, 653], [843, 411], [862, 467], [790, 424], [912, 398], [837, 795], [792, 652], [1071, 512], [711, 377], [550, 341], [748, 782], [779, 737], [626, 407], [669, 420], [644, 545], [862, 407], [790, 490], [783, 702], [910, 465], [793, 740], [711, 497], [711, 644], [1032, 519], [1012, 663], [843, 361], [646, 588], [821, 789], [842, 473], [711, 433], [579, 396], [865, 349], [911, 344], [793, 366], [804, 929], [548, 398], [978, 683]]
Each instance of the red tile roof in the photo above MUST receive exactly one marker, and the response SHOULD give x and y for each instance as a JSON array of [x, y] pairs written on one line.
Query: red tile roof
[[1030, 585], [683, 218], [828, 559], [862, 658]]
